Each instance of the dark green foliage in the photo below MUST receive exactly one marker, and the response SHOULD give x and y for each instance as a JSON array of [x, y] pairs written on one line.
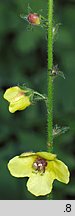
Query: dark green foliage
[[23, 59]]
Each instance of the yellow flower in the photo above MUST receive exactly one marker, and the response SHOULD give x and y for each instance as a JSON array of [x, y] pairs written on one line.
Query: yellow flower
[[17, 99], [42, 168]]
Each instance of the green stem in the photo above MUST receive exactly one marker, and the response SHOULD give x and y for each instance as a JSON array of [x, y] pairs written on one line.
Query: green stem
[[41, 96], [50, 79]]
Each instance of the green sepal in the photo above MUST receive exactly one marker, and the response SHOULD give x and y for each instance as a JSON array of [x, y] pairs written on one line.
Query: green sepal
[[57, 130], [34, 95], [55, 31]]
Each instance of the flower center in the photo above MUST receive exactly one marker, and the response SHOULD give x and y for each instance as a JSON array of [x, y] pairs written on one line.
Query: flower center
[[40, 164], [18, 96]]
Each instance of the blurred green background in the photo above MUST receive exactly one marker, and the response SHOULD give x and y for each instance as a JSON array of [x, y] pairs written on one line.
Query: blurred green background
[[23, 59]]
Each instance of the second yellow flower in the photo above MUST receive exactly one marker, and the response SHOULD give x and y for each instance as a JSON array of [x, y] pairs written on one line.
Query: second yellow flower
[[17, 98]]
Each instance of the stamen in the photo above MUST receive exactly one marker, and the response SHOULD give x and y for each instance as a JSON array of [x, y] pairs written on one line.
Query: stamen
[[39, 164]]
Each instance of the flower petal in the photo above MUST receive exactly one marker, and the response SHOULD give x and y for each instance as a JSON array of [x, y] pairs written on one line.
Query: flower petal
[[46, 155], [21, 104], [40, 185], [11, 93], [60, 171], [21, 167], [26, 154]]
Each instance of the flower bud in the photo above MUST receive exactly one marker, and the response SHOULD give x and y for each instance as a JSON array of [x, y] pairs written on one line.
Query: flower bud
[[34, 18]]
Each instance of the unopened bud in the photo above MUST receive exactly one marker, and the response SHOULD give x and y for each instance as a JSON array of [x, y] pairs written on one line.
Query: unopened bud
[[34, 18]]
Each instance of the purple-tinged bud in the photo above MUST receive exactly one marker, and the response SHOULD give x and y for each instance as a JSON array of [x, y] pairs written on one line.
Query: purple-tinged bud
[[34, 18]]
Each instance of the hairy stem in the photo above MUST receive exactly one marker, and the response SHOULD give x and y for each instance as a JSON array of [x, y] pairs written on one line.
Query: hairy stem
[[50, 79]]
